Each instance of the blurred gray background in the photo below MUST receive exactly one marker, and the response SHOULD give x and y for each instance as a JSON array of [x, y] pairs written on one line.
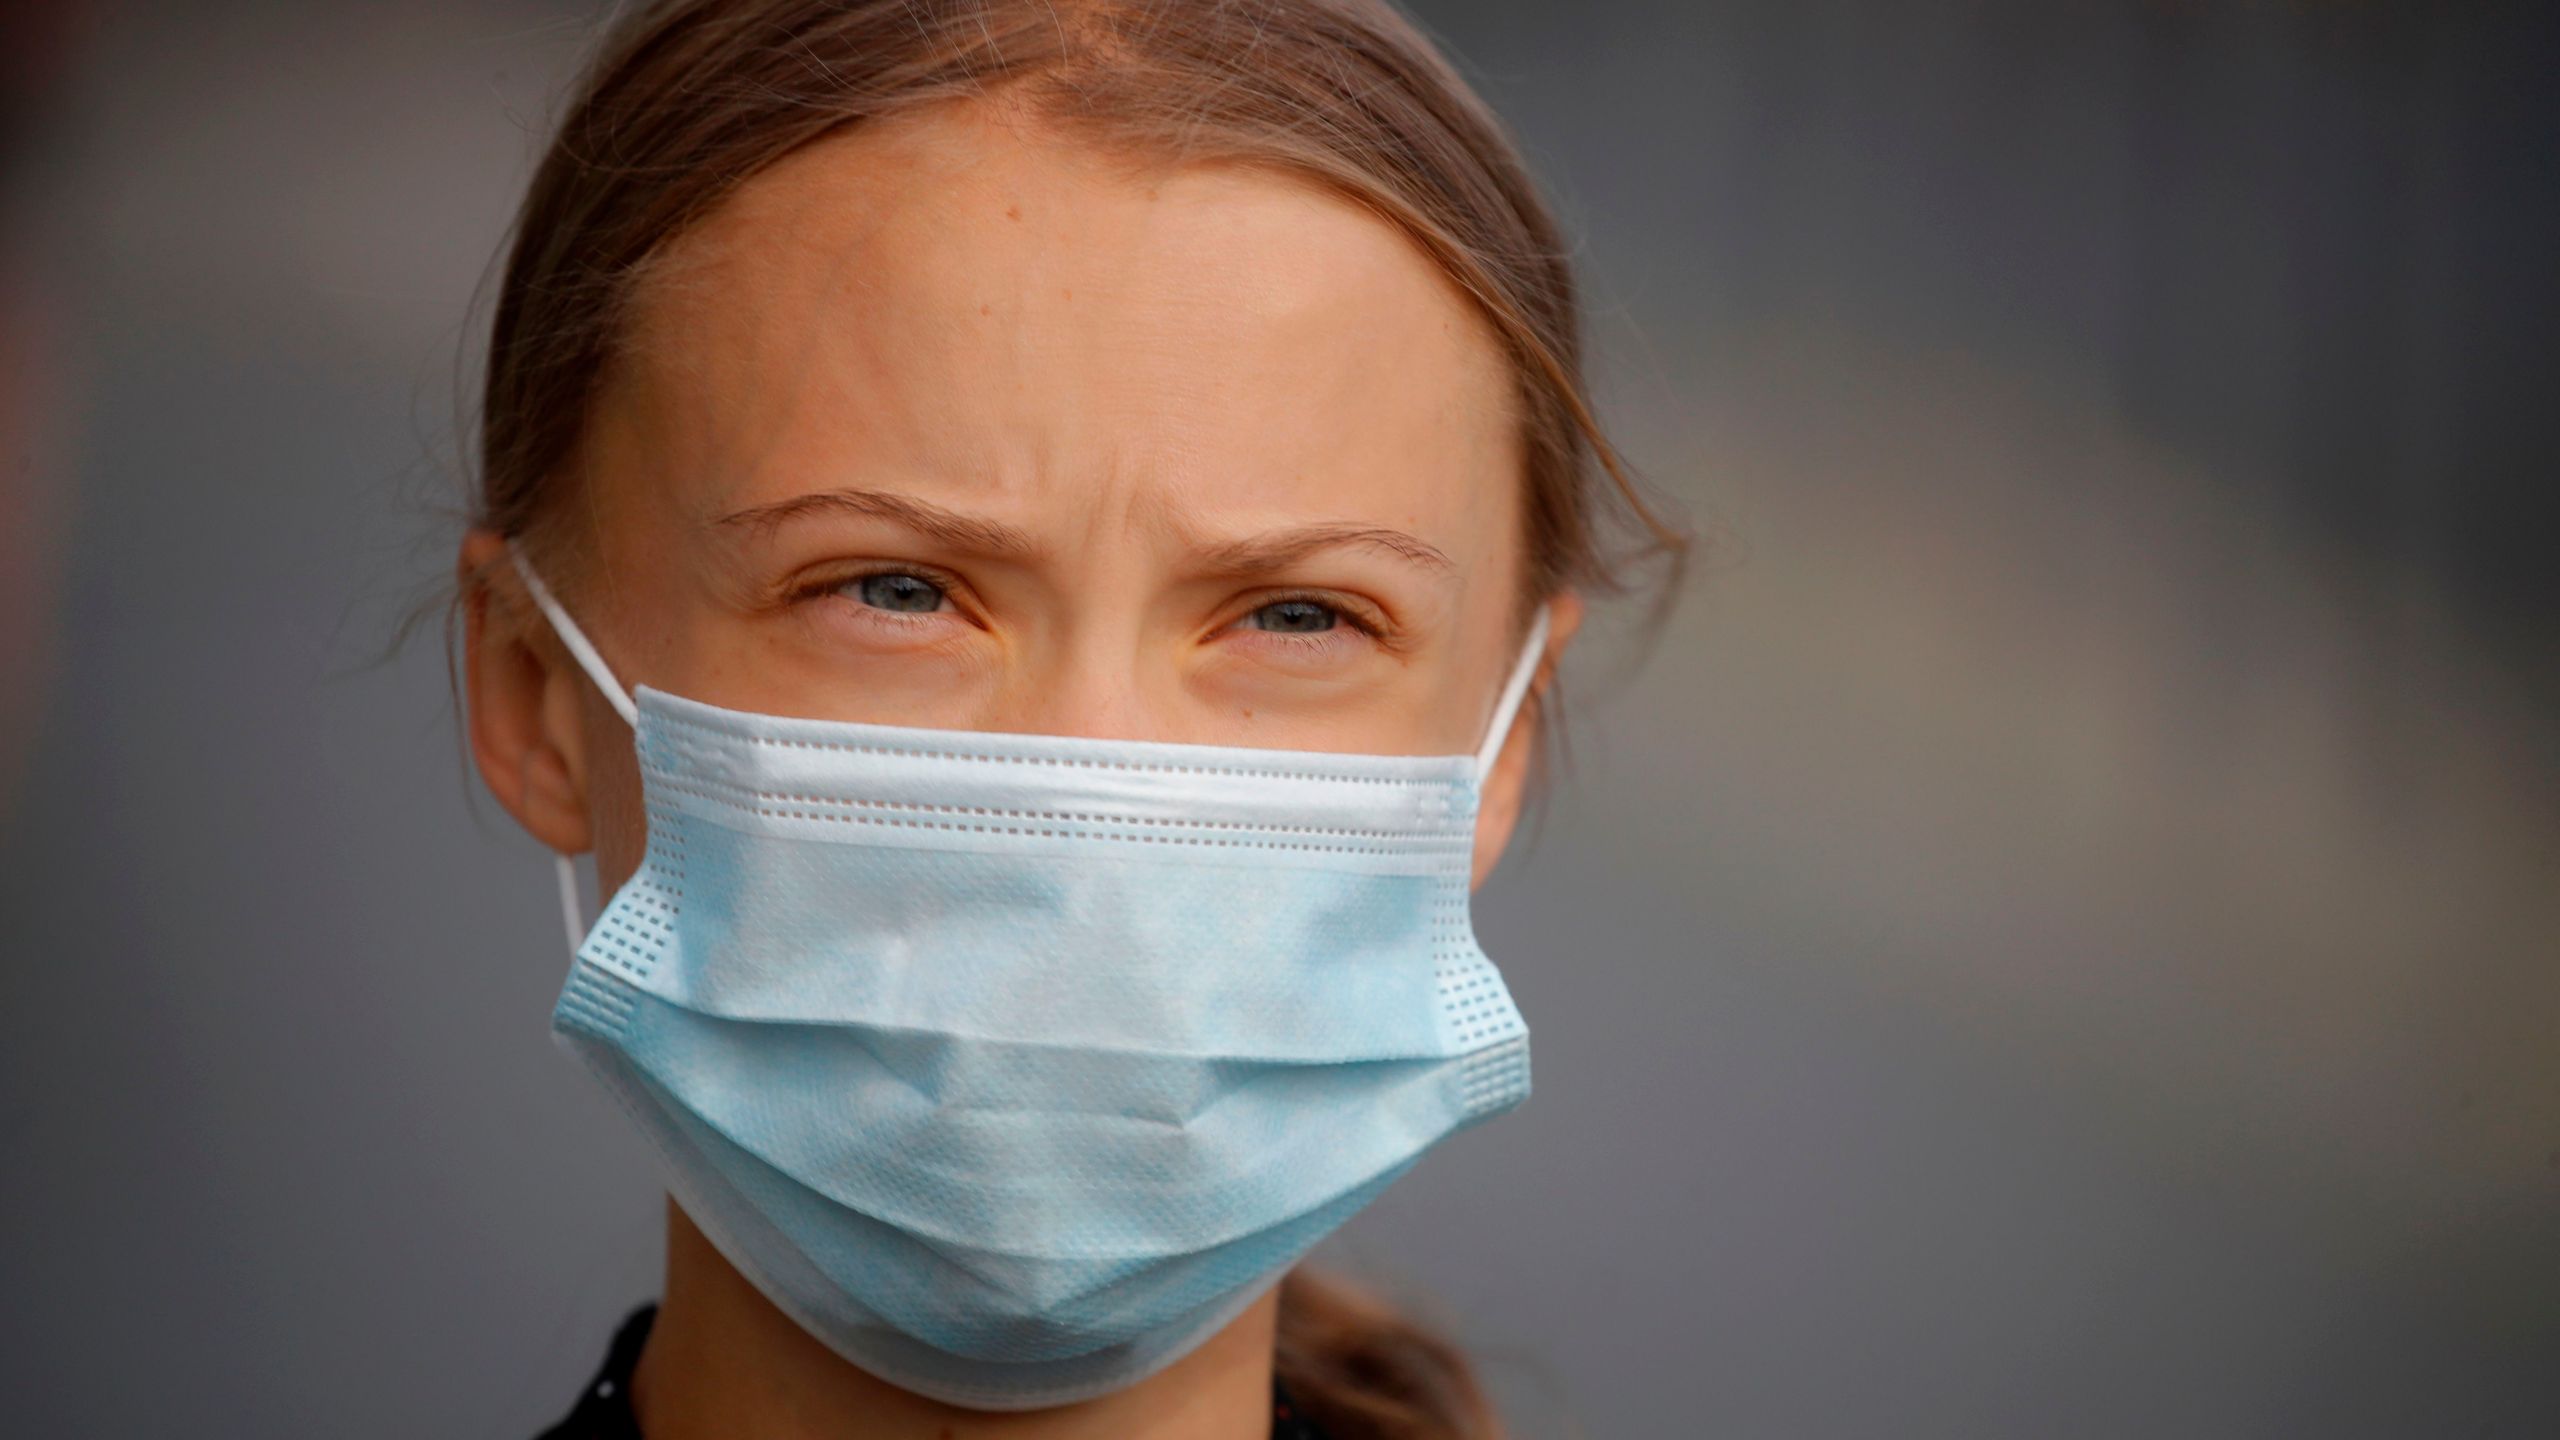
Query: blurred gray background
[[2061, 937]]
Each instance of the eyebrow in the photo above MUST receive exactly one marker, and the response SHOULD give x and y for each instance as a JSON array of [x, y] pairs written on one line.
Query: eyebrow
[[1253, 554], [961, 532], [1283, 548]]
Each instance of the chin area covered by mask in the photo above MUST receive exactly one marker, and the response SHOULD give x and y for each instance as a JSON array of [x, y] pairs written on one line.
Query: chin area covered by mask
[[1013, 1067]]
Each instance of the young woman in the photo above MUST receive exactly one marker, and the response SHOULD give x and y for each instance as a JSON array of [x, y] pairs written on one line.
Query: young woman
[[1028, 537]]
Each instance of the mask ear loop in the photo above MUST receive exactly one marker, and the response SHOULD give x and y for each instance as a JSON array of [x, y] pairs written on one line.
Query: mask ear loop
[[570, 635], [1514, 691], [564, 869]]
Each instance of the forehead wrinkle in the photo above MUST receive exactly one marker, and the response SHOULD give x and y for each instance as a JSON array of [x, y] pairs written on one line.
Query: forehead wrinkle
[[797, 236]]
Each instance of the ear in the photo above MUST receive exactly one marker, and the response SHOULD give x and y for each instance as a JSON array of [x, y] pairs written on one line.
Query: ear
[[1498, 809], [523, 694]]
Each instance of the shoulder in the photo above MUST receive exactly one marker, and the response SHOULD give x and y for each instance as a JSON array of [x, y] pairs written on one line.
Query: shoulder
[[603, 1409]]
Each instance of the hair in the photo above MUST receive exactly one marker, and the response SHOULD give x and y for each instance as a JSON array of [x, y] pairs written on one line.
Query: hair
[[684, 100]]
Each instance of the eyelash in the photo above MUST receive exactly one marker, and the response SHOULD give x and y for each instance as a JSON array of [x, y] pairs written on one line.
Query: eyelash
[[1342, 613], [843, 584]]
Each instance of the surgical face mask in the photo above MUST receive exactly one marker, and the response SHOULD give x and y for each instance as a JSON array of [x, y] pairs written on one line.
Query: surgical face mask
[[1013, 1067]]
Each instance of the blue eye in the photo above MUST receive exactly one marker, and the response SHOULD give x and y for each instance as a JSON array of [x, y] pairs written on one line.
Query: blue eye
[[908, 594], [1294, 617]]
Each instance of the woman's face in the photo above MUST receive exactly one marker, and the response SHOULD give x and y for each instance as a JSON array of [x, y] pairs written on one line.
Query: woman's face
[[948, 423]]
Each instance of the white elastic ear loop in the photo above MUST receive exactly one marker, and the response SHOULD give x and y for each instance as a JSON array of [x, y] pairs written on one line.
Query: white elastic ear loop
[[1514, 691], [573, 637], [572, 913]]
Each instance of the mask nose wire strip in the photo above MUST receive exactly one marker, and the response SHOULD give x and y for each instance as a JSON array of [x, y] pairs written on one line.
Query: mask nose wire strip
[[1514, 692], [575, 638]]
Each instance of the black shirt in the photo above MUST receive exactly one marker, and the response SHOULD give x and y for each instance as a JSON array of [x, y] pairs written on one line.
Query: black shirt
[[603, 1412]]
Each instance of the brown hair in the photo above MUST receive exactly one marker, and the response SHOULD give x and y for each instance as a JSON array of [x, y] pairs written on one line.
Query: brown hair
[[686, 99]]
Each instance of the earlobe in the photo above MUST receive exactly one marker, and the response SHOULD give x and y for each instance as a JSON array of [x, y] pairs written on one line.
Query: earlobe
[[1506, 784], [522, 702]]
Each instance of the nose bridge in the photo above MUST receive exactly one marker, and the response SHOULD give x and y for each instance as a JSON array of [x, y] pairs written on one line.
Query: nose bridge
[[1090, 681], [1100, 668]]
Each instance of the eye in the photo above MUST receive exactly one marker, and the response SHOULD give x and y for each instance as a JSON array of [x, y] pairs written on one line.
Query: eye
[[1294, 617], [900, 592]]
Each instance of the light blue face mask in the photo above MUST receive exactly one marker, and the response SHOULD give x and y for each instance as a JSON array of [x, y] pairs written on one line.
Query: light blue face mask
[[1013, 1067]]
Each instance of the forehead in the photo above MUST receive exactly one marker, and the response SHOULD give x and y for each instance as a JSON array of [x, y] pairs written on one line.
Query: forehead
[[959, 297]]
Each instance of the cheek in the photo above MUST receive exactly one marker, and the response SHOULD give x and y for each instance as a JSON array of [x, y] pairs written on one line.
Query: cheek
[[1500, 810], [613, 799], [1493, 833]]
